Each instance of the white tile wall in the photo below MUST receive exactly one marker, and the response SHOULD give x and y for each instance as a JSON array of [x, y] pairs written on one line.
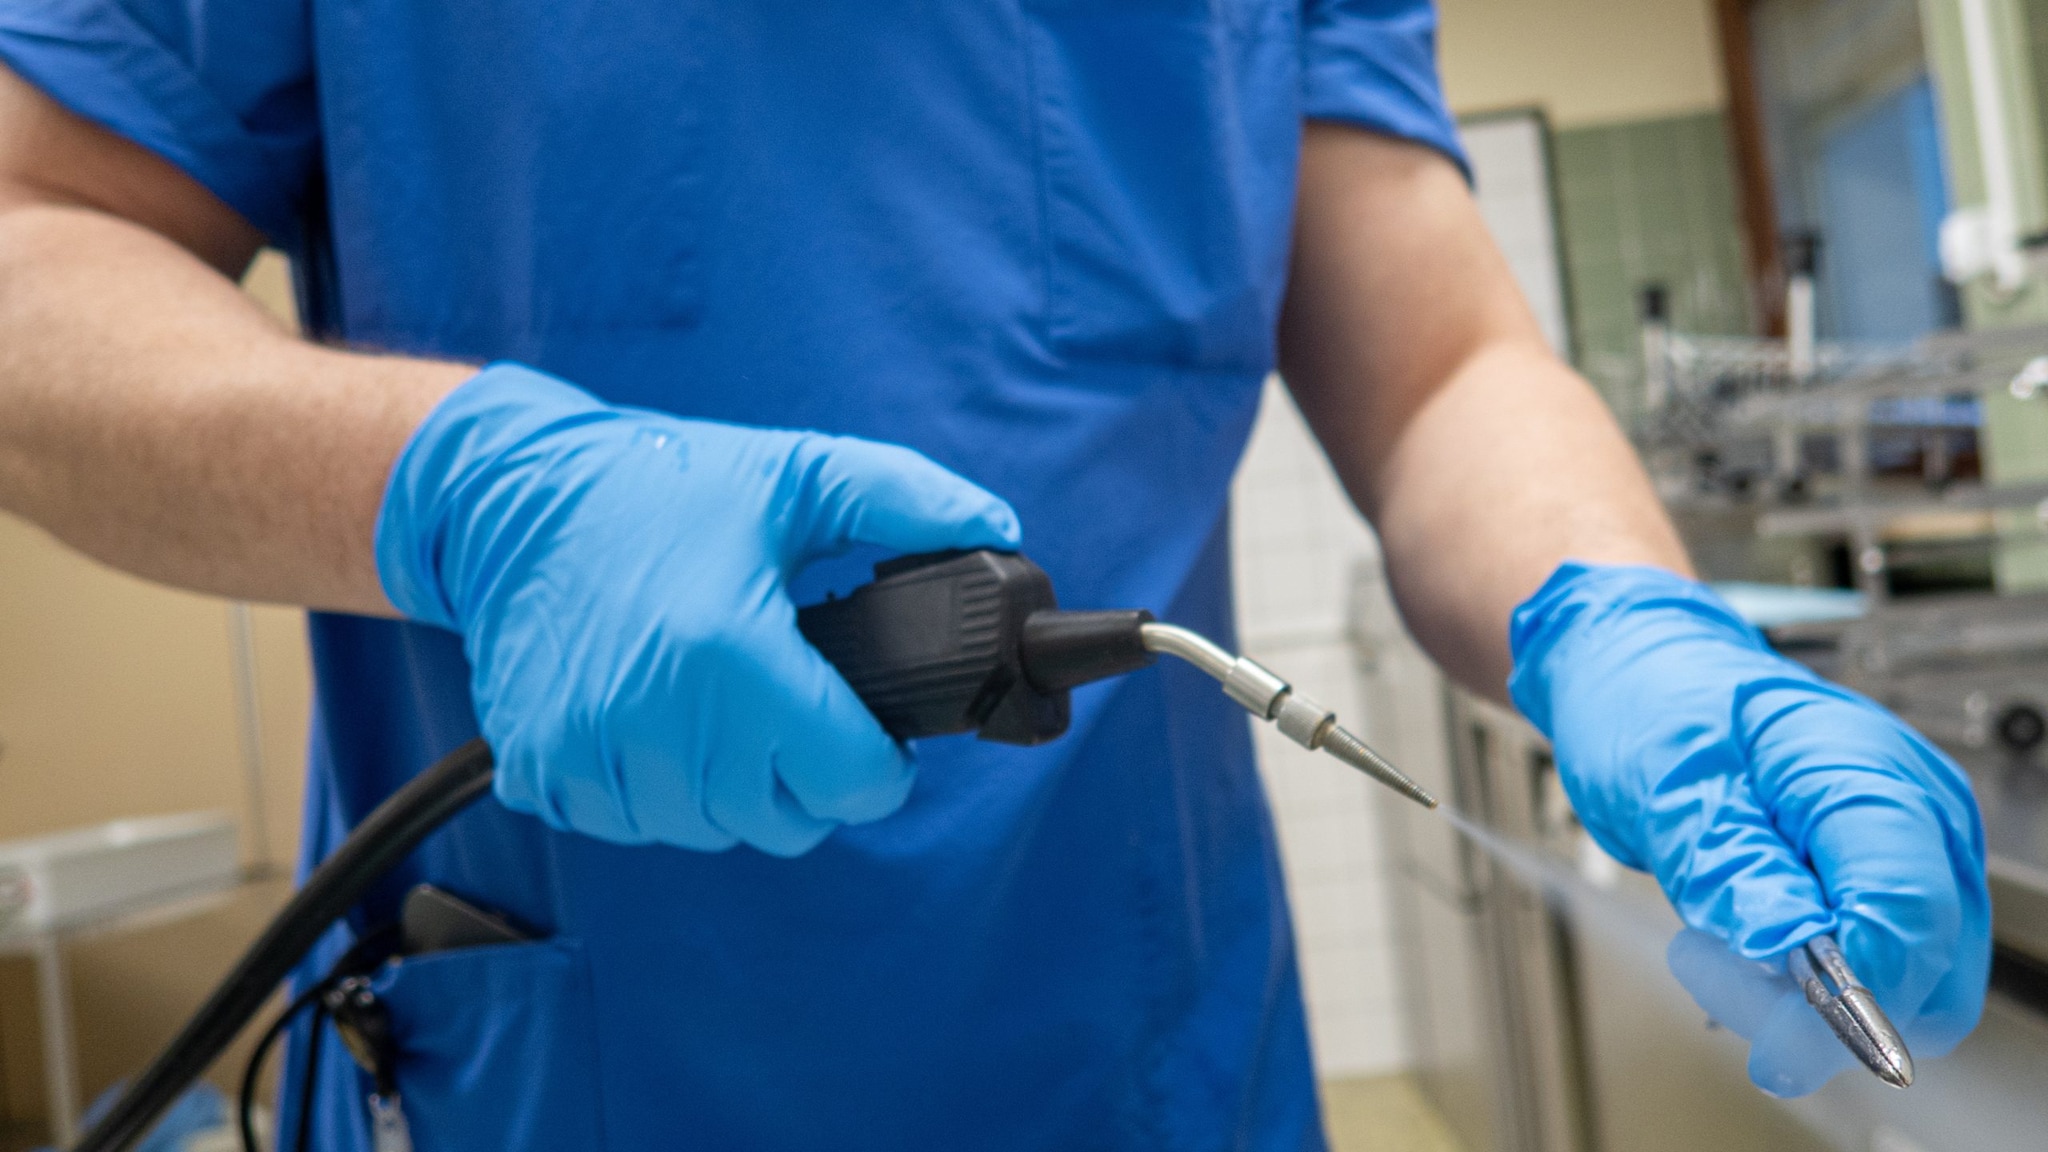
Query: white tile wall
[[1512, 168], [1296, 540]]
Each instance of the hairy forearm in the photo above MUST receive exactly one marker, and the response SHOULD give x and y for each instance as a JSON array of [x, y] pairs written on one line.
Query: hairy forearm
[[1480, 457], [155, 418], [1511, 468]]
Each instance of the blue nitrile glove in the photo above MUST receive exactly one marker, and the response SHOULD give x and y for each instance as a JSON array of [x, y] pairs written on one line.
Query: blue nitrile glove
[[619, 578], [1771, 805]]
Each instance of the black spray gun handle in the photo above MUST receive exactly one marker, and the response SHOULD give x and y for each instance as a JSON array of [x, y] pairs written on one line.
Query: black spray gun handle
[[952, 642]]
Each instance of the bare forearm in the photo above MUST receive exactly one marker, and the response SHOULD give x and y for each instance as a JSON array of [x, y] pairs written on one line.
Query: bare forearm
[[152, 416], [1512, 468], [1481, 458]]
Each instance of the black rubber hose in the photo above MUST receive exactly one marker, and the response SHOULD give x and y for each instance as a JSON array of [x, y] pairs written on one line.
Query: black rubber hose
[[309, 1083], [245, 1097], [387, 836], [366, 954]]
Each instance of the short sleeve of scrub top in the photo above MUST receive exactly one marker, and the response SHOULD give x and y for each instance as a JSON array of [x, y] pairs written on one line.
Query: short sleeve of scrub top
[[224, 88], [221, 88], [1373, 63]]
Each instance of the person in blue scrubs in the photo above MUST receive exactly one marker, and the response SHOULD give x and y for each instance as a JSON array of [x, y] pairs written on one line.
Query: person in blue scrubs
[[637, 323]]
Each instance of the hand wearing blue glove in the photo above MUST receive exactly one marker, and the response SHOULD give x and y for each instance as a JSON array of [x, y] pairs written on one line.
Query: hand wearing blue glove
[[1771, 805], [619, 578]]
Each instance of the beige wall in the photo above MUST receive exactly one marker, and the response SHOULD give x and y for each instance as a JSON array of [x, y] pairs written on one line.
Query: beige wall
[[1584, 61], [117, 696], [117, 699]]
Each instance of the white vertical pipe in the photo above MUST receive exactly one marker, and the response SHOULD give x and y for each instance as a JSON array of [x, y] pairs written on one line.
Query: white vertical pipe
[[60, 1044], [249, 732], [1994, 143], [1656, 364], [1801, 337]]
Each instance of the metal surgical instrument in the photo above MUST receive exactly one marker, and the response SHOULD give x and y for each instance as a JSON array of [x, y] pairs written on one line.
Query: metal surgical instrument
[[976, 642], [1268, 697], [1849, 1008]]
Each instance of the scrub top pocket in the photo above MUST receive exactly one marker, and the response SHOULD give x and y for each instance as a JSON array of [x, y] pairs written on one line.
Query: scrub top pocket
[[497, 1048], [1167, 174]]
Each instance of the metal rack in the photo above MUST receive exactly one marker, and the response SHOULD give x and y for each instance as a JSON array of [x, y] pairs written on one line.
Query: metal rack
[[1844, 442]]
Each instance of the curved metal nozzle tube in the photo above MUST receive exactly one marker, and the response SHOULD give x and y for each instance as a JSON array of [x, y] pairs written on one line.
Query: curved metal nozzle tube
[[1268, 697], [1849, 1008]]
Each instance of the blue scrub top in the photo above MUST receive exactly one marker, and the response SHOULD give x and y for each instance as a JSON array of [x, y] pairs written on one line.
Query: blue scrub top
[[1043, 241]]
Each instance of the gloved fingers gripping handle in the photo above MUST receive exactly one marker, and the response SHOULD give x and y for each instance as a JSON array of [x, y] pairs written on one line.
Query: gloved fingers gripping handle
[[650, 685], [812, 755], [825, 775], [848, 491], [842, 491], [845, 491]]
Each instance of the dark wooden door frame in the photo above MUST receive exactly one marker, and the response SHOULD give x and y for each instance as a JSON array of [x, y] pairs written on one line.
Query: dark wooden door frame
[[1763, 250]]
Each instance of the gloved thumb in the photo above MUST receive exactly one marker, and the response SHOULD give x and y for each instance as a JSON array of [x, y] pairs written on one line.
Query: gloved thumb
[[851, 491]]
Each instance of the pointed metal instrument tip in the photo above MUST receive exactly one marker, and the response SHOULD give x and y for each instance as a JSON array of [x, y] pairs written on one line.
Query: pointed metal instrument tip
[[1850, 1010], [1350, 749], [1888, 1058], [1258, 691]]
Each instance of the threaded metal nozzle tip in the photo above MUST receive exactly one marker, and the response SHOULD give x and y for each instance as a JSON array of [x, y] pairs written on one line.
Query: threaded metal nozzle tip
[[1353, 751]]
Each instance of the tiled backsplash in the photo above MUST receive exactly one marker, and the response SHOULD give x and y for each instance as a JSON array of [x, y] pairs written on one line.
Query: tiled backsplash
[[1647, 202]]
